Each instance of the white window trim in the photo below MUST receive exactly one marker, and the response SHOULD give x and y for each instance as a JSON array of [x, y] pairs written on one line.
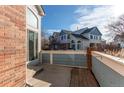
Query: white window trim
[[38, 30], [28, 8]]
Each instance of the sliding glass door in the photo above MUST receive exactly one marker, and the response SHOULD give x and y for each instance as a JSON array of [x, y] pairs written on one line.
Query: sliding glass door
[[32, 45]]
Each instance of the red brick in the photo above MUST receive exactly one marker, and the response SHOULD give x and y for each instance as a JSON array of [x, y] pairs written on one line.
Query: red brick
[[12, 45]]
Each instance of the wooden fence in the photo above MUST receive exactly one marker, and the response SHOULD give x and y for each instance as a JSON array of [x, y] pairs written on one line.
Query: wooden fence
[[111, 50], [115, 52]]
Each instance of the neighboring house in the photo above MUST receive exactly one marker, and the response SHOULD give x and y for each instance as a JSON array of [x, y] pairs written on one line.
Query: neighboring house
[[45, 43], [19, 41], [119, 40], [79, 39], [54, 41]]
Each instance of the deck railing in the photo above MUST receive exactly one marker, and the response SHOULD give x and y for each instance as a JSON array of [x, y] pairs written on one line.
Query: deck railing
[[67, 58], [108, 70]]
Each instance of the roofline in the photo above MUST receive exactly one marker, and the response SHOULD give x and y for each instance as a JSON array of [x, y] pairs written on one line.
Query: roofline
[[40, 10], [98, 30], [95, 28], [80, 37]]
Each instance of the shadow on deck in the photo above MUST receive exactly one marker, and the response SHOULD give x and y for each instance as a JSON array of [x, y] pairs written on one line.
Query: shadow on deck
[[63, 76]]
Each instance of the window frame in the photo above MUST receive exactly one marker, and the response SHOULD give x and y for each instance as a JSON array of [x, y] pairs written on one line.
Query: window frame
[[91, 36], [37, 23], [35, 49], [35, 30], [78, 45]]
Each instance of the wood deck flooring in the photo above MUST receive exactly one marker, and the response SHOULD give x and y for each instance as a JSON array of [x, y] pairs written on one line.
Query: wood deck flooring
[[81, 77]]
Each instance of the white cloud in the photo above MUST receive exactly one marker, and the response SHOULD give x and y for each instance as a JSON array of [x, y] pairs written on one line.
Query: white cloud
[[94, 17], [98, 16], [118, 10], [50, 31]]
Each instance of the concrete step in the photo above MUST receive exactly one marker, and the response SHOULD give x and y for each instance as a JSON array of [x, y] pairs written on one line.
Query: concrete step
[[33, 82], [37, 83]]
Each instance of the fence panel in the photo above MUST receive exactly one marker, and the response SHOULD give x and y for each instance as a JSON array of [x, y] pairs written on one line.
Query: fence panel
[[66, 58], [45, 58]]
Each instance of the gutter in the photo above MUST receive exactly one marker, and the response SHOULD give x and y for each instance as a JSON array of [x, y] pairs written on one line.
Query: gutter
[[40, 9]]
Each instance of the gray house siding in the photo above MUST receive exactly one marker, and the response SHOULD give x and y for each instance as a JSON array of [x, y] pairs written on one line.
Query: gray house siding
[[83, 36]]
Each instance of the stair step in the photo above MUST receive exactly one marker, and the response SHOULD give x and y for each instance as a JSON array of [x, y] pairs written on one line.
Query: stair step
[[37, 83]]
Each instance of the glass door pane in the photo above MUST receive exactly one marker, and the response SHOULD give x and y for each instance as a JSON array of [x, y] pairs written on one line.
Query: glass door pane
[[33, 45]]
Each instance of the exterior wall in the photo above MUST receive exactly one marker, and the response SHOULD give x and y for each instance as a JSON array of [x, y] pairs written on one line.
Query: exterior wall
[[108, 70], [86, 35], [12, 45], [95, 41], [64, 46], [84, 43], [94, 33], [64, 40]]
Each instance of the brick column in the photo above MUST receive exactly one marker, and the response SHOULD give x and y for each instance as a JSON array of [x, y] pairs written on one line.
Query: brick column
[[12, 45]]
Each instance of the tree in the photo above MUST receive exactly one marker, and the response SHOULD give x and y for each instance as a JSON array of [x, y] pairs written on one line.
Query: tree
[[44, 40], [118, 26]]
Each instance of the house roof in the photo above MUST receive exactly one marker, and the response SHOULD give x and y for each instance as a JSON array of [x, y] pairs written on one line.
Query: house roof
[[56, 33], [80, 31], [88, 30], [80, 36], [66, 31], [93, 30]]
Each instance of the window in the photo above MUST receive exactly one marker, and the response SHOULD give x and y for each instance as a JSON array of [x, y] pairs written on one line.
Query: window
[[72, 41], [73, 44], [64, 36], [96, 37], [79, 45], [91, 36], [79, 42], [99, 37], [32, 45], [32, 20], [68, 36]]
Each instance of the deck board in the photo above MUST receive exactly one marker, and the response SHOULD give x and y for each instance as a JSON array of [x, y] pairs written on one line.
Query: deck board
[[81, 77]]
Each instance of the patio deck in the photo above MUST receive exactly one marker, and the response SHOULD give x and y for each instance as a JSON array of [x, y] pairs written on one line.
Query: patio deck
[[63, 76], [81, 77]]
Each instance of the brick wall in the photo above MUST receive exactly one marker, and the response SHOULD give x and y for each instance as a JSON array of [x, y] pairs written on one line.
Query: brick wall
[[12, 45]]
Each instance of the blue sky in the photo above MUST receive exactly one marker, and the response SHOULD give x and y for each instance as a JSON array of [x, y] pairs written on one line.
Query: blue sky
[[61, 16], [72, 16], [58, 17]]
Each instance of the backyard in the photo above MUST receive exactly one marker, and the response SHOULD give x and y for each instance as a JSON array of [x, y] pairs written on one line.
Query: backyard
[[72, 52], [73, 69], [63, 76]]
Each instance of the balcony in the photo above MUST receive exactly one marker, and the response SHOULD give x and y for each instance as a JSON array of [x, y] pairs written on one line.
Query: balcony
[[72, 69]]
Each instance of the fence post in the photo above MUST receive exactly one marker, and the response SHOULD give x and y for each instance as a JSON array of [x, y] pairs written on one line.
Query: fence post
[[51, 58], [89, 58]]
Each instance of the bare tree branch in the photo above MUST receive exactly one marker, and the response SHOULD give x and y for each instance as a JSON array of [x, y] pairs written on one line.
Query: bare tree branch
[[118, 26]]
